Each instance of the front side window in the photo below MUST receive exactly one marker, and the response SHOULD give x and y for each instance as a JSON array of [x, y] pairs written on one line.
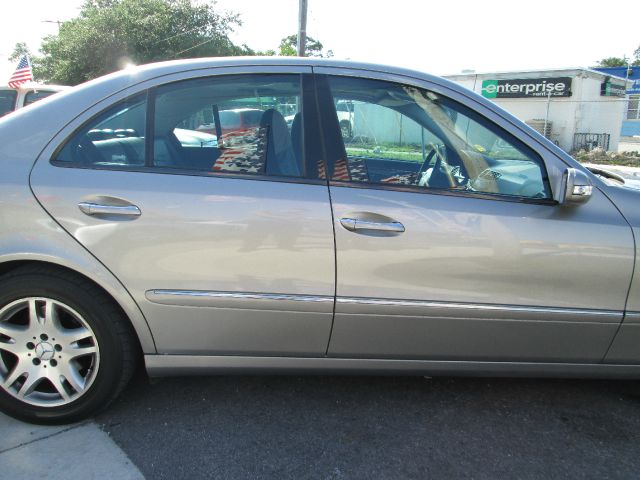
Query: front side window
[[395, 134], [246, 124]]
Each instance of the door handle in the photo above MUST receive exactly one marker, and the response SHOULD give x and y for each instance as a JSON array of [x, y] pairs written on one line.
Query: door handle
[[355, 224], [99, 209]]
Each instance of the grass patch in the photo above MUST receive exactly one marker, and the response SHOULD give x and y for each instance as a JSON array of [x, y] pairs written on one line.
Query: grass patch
[[599, 156]]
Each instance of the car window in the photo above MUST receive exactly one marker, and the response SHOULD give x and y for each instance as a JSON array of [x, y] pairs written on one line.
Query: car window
[[7, 101], [248, 124], [36, 95], [395, 134], [114, 139]]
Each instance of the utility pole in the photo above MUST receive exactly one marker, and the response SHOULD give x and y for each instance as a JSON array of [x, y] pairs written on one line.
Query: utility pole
[[546, 118], [302, 28], [58, 22]]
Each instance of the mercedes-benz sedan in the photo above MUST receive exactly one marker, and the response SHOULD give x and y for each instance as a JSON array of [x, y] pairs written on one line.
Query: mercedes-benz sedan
[[441, 236]]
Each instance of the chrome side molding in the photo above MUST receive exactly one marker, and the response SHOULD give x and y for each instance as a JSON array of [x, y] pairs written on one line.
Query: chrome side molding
[[431, 309], [378, 306], [243, 300]]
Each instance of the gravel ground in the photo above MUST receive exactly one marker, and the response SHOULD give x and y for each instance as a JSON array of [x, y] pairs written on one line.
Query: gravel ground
[[378, 427]]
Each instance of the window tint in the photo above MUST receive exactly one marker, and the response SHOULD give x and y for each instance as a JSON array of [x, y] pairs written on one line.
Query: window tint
[[400, 135], [7, 101], [231, 124], [115, 139]]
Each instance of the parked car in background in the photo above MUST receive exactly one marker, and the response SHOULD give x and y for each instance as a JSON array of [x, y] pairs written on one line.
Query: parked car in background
[[14, 98], [453, 239]]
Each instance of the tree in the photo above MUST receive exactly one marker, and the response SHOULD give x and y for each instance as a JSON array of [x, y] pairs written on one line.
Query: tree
[[313, 48], [613, 62], [18, 51], [621, 62], [108, 34]]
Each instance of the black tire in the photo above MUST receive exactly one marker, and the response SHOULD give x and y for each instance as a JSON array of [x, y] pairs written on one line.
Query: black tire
[[345, 130], [111, 331]]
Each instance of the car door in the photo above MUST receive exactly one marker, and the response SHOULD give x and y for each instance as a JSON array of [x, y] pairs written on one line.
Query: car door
[[225, 239], [449, 243]]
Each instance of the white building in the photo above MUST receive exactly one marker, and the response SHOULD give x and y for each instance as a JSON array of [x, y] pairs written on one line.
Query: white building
[[580, 107]]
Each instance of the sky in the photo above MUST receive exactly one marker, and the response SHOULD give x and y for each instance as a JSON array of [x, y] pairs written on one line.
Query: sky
[[437, 37]]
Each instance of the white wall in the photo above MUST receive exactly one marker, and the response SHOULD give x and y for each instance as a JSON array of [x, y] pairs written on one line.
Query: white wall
[[584, 112]]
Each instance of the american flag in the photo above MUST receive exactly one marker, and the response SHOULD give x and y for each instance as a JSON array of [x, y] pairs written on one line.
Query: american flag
[[22, 74]]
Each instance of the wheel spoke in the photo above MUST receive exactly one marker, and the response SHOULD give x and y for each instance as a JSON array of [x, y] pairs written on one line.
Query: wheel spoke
[[81, 350], [12, 347], [32, 381], [51, 315], [72, 375], [16, 373], [15, 333], [72, 336], [34, 319], [57, 384]]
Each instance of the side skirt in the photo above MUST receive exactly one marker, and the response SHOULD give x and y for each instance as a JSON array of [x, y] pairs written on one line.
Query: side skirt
[[179, 365]]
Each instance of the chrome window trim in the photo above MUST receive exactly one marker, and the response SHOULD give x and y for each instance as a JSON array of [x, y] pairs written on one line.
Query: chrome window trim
[[443, 191], [196, 173]]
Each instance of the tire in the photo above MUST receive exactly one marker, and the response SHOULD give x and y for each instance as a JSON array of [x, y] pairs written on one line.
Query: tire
[[66, 349], [345, 130]]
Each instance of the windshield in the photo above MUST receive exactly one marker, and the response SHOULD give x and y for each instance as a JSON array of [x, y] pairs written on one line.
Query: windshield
[[7, 101]]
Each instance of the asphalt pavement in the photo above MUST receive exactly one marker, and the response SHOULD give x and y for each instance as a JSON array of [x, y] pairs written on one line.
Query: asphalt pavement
[[378, 427]]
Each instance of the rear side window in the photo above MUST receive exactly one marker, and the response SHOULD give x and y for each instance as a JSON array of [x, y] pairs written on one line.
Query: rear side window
[[245, 124], [239, 124], [115, 139]]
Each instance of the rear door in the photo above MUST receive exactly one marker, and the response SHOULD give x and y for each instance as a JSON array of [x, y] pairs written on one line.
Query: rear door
[[225, 240], [449, 243]]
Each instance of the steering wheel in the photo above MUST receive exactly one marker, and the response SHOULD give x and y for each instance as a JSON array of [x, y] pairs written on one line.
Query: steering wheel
[[427, 160], [441, 176]]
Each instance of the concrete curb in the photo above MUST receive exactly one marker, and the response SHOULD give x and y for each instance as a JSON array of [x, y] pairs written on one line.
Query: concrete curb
[[80, 451]]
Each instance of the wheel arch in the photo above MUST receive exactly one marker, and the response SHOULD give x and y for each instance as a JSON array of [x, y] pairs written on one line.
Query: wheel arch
[[112, 288]]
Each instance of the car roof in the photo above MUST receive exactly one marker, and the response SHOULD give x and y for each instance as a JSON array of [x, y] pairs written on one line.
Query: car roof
[[141, 73]]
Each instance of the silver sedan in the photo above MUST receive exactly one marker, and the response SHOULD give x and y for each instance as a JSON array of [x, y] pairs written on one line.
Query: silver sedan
[[141, 222]]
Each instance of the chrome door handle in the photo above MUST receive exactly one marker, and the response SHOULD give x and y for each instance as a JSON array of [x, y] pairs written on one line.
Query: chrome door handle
[[354, 224], [98, 209]]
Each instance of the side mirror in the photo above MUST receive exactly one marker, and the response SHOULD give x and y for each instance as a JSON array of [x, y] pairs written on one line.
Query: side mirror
[[577, 187]]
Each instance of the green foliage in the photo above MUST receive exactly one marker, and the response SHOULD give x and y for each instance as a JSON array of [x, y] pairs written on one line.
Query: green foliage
[[108, 34], [621, 62], [18, 51], [313, 48], [289, 48], [613, 62]]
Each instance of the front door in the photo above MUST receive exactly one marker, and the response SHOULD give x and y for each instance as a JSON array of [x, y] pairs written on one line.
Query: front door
[[201, 197], [449, 245]]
